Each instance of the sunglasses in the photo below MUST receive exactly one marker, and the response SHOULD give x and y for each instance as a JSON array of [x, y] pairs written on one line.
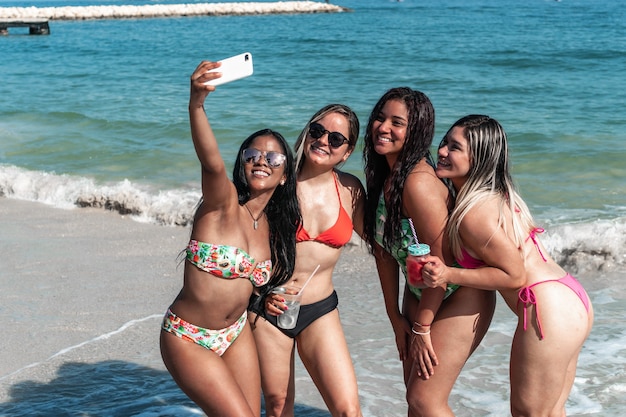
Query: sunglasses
[[335, 139], [273, 159]]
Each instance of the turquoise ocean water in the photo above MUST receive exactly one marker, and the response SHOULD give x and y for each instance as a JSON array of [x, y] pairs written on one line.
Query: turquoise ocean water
[[95, 114]]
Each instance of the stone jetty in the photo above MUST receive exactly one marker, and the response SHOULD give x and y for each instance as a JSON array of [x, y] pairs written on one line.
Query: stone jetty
[[165, 10]]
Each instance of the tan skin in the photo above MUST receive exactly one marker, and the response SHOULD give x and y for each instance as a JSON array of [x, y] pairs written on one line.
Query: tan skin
[[228, 385], [433, 361], [322, 345], [542, 371]]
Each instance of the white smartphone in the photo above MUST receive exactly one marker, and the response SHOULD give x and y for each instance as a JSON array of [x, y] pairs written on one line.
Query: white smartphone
[[233, 68]]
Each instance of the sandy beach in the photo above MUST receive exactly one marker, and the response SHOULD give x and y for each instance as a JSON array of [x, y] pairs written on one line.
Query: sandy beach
[[85, 290], [71, 276]]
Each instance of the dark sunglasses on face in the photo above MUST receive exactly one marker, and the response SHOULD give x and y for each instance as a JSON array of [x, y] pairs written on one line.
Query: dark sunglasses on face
[[335, 139], [274, 159]]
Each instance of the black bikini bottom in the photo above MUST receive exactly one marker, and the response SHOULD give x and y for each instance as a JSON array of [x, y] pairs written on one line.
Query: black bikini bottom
[[308, 313]]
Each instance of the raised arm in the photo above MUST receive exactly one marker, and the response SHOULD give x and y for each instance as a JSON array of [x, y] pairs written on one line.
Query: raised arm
[[215, 181]]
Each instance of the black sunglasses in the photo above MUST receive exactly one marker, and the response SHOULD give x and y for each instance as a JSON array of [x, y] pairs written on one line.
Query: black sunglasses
[[274, 159], [335, 139]]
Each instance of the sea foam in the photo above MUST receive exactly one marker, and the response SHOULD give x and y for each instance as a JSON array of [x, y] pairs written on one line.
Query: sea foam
[[581, 246]]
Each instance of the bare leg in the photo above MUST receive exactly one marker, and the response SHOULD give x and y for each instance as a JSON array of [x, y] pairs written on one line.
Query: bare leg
[[209, 380], [409, 307], [323, 349], [459, 327], [542, 371], [244, 365], [276, 359]]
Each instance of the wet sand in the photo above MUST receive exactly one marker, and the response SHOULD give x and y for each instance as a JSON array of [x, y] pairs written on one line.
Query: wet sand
[[85, 287]]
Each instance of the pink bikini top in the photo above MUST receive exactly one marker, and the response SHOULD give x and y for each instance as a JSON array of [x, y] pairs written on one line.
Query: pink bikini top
[[469, 262], [335, 236], [526, 295]]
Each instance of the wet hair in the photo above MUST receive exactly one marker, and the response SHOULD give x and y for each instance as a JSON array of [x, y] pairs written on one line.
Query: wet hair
[[353, 123], [419, 137], [489, 175], [282, 210]]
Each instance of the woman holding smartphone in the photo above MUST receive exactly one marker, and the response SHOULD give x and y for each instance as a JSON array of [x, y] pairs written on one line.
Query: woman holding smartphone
[[331, 202], [242, 238]]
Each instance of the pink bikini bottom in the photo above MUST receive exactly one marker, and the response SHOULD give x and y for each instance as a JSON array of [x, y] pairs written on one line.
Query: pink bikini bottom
[[527, 296]]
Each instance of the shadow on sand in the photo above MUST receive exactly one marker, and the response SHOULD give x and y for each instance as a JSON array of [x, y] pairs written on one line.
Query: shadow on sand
[[109, 388]]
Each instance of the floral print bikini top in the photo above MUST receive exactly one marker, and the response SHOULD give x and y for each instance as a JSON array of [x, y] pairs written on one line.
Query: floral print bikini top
[[228, 262], [399, 250]]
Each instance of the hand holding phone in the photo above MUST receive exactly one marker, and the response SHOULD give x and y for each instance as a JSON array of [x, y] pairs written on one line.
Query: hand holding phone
[[233, 68]]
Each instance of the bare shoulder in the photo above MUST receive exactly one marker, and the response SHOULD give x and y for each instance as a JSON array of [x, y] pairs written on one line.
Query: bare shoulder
[[423, 187], [483, 233], [349, 181], [482, 220], [353, 194], [423, 177]]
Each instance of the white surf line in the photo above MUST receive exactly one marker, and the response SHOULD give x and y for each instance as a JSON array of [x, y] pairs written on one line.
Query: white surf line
[[95, 339], [166, 10]]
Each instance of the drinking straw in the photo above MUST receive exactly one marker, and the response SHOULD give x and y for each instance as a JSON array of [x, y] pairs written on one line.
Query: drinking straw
[[414, 233], [309, 279]]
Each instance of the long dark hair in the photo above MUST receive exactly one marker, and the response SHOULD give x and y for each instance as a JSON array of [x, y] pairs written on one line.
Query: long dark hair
[[419, 137], [282, 211]]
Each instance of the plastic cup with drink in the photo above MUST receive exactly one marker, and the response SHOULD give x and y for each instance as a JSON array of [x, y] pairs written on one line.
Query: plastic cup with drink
[[415, 263], [415, 260], [293, 297]]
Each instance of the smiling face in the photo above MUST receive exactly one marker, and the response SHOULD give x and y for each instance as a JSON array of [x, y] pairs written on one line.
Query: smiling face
[[318, 151], [389, 129], [260, 174], [454, 160]]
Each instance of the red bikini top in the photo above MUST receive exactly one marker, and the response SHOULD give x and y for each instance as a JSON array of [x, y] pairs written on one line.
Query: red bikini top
[[335, 236]]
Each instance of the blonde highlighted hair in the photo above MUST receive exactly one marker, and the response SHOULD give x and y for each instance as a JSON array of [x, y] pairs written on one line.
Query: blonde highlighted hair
[[488, 176]]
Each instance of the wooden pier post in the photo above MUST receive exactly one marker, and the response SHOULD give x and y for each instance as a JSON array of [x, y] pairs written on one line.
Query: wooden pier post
[[35, 27]]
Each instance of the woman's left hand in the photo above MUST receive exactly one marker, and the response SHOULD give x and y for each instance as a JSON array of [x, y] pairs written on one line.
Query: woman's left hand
[[423, 355]]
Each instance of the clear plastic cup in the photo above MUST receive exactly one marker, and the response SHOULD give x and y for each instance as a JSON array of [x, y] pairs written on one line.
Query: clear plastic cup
[[292, 297], [415, 263]]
